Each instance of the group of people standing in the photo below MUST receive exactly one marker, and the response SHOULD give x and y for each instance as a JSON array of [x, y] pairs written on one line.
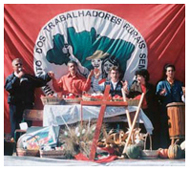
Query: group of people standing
[[21, 88]]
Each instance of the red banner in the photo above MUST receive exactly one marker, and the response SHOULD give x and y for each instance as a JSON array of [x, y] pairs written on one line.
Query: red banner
[[161, 26]]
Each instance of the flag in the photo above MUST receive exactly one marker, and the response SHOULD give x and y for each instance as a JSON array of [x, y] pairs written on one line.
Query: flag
[[132, 36]]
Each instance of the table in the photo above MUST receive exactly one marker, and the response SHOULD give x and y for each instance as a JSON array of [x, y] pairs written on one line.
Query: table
[[56, 114], [104, 103]]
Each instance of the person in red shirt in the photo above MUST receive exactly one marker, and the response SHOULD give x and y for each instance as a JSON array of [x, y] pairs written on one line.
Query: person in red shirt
[[73, 82], [149, 104], [141, 85]]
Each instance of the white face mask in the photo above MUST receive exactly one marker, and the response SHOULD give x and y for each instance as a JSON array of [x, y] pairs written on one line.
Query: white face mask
[[96, 63], [107, 66]]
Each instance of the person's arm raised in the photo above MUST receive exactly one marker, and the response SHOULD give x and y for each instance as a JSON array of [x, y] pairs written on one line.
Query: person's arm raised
[[54, 82], [125, 87], [87, 84]]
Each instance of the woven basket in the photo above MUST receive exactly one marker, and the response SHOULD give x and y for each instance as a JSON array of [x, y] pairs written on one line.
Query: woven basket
[[57, 154], [149, 154], [22, 152], [85, 98], [131, 102], [70, 101], [117, 100], [51, 100]]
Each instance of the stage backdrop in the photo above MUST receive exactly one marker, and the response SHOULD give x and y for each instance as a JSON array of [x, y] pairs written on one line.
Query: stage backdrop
[[136, 36]]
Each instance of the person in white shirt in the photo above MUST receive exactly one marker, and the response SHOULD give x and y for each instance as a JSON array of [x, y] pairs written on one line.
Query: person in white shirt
[[115, 82]]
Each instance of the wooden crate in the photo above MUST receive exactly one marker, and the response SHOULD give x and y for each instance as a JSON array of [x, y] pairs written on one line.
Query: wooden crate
[[51, 100], [22, 152], [69, 101], [131, 102], [56, 154], [85, 98]]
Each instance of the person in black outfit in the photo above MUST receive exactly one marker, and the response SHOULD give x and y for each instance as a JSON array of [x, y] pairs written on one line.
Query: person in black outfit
[[149, 104], [141, 85], [21, 88]]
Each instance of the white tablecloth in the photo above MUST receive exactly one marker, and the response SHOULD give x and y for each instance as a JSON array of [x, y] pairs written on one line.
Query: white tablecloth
[[55, 115]]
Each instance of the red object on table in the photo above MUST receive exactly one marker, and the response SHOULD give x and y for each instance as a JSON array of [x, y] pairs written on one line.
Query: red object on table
[[104, 102], [110, 158]]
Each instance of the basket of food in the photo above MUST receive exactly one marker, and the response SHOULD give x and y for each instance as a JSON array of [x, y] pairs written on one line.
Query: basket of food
[[133, 102], [72, 99], [92, 97], [25, 152], [52, 100], [56, 154], [149, 154], [117, 98]]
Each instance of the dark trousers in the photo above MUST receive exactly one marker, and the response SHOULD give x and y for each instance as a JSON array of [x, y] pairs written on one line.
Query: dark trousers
[[164, 132], [16, 115], [155, 119]]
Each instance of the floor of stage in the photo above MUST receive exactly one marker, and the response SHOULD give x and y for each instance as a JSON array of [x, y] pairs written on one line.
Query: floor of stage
[[36, 161]]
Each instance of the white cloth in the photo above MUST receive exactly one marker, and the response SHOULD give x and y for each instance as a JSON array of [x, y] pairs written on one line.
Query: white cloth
[[55, 115], [114, 84], [15, 73], [95, 83]]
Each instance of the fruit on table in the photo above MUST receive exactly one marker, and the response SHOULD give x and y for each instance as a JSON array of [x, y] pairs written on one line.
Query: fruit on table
[[163, 153], [182, 145], [174, 151], [117, 97], [71, 96], [133, 151]]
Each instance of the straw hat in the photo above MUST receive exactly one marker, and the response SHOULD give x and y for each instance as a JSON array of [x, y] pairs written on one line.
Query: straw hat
[[98, 54]]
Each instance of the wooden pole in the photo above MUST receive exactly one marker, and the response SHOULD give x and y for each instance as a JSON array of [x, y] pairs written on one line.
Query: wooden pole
[[99, 123], [103, 103], [127, 111], [133, 125]]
